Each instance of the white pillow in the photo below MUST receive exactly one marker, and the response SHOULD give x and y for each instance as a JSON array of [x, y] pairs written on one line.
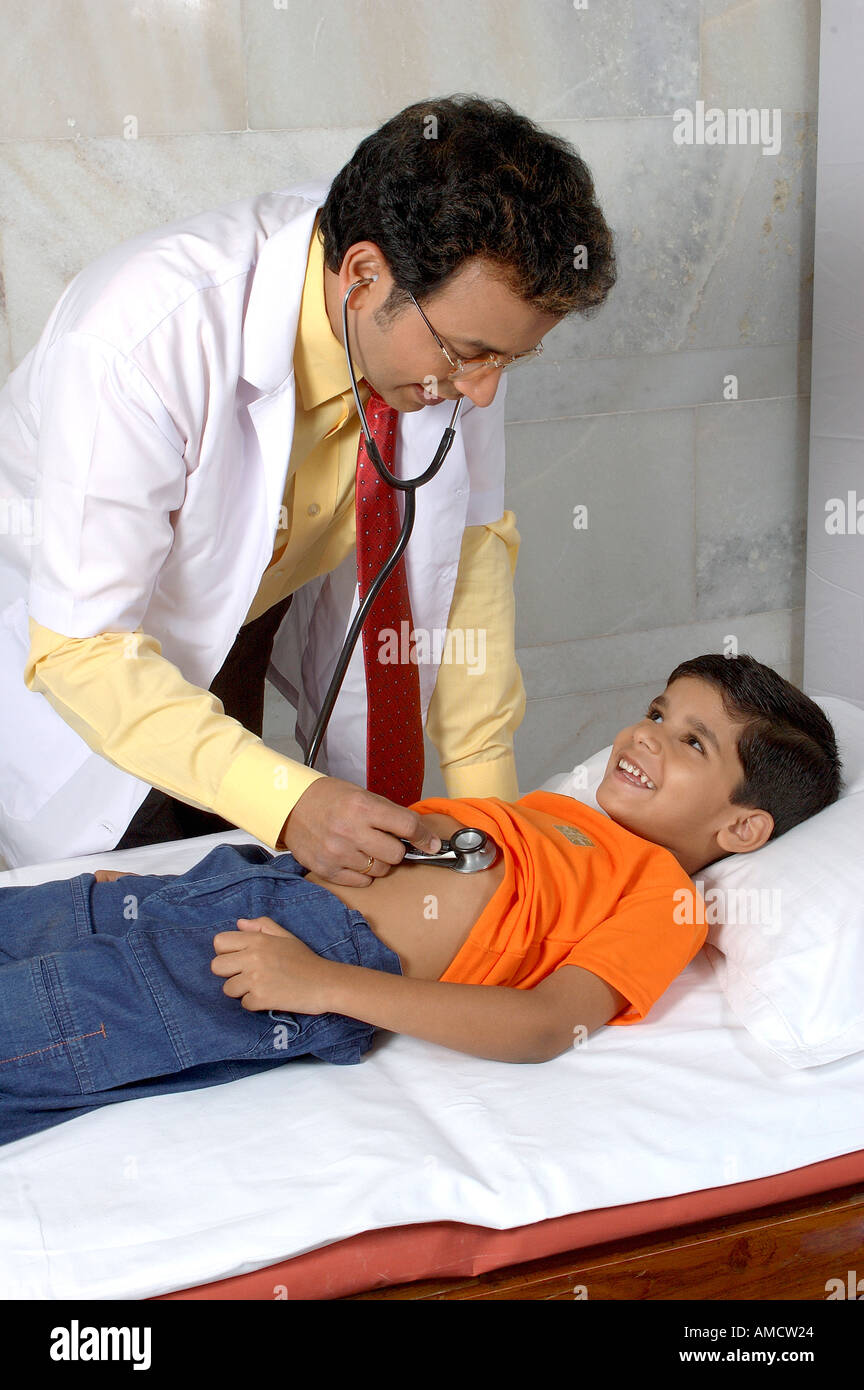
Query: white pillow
[[786, 924]]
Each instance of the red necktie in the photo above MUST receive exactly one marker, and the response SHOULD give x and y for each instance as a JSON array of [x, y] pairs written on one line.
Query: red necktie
[[394, 725]]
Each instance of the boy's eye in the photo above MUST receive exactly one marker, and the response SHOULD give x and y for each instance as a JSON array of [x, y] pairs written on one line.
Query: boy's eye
[[654, 714]]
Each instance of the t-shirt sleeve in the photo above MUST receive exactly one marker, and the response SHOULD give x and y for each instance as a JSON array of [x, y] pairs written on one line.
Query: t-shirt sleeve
[[641, 948]]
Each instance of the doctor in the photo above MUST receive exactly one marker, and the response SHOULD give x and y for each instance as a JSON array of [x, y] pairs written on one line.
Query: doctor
[[178, 457]]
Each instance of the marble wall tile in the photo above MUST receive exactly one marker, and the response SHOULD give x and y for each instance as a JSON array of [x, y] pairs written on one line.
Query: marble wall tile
[[552, 390], [65, 203], [5, 335], [327, 64], [760, 53], [714, 243], [751, 505], [633, 566], [591, 665], [85, 67]]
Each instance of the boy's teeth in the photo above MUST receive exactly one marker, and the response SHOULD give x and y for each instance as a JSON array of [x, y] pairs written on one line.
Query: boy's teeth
[[634, 771]]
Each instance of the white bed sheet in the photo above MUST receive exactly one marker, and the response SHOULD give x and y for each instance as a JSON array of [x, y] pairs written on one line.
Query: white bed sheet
[[172, 1191]]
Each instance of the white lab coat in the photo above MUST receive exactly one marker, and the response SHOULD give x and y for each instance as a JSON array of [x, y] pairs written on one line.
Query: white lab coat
[[144, 447]]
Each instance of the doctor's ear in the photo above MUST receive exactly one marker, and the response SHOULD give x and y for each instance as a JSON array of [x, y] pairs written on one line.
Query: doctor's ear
[[363, 263]]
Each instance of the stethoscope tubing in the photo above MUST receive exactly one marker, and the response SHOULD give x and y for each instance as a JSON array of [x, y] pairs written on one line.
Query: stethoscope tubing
[[407, 485]]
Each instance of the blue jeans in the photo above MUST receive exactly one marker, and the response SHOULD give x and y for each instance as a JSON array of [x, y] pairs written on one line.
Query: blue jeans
[[106, 991]]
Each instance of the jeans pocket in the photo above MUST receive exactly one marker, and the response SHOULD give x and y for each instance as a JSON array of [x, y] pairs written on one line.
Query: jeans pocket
[[289, 1020], [281, 1038]]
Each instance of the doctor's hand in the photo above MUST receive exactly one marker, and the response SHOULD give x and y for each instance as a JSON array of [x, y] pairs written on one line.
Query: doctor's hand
[[336, 827]]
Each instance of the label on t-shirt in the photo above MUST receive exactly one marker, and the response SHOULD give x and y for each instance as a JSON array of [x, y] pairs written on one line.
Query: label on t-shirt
[[576, 837]]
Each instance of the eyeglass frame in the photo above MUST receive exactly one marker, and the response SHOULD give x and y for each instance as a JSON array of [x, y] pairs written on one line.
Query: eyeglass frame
[[474, 364]]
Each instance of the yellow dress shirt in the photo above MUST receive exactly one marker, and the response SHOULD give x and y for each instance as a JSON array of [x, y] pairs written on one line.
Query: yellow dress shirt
[[144, 717]]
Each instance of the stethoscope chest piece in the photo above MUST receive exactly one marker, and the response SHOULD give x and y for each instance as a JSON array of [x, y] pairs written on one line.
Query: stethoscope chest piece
[[467, 851]]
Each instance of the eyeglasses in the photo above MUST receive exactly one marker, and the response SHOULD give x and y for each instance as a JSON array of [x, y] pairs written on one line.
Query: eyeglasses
[[476, 364]]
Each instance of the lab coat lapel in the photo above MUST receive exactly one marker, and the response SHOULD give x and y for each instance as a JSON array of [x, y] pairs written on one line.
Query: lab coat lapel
[[268, 364], [269, 336], [273, 309]]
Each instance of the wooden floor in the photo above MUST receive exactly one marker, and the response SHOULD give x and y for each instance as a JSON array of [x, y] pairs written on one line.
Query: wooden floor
[[786, 1252]]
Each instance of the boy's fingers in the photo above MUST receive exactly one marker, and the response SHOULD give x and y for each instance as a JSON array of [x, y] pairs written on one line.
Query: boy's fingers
[[265, 925], [235, 987], [230, 941], [227, 965]]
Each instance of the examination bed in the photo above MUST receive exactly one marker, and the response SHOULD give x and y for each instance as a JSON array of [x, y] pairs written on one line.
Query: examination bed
[[695, 1155]]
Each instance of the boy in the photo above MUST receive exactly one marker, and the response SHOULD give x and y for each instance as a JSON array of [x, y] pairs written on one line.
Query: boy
[[577, 922]]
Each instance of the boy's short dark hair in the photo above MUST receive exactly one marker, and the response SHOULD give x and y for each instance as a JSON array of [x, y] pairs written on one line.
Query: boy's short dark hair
[[455, 177], [787, 746]]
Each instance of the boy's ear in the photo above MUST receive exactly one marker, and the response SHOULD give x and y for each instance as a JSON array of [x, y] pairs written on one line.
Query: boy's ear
[[748, 830]]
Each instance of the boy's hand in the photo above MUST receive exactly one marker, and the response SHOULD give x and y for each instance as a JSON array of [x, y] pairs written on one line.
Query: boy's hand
[[109, 875], [267, 967]]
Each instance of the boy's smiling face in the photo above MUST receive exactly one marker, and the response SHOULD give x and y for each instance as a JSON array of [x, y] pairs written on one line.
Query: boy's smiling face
[[687, 748]]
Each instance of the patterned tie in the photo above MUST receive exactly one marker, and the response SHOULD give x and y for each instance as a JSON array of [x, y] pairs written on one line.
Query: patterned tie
[[394, 725]]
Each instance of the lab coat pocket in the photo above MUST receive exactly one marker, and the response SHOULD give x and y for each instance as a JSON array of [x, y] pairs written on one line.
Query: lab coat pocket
[[38, 750]]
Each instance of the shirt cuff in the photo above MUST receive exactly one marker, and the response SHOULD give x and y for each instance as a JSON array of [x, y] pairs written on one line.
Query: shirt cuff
[[259, 790], [495, 778]]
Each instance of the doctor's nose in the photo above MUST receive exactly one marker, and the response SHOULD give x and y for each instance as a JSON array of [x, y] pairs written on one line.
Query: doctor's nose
[[480, 386]]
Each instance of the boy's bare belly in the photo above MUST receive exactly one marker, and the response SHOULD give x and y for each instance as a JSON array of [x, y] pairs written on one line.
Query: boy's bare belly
[[421, 911]]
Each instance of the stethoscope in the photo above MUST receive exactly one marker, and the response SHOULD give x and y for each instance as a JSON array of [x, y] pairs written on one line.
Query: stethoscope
[[468, 849]]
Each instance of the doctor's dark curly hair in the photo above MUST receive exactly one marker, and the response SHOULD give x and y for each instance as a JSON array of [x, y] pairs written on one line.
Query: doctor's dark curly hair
[[461, 176]]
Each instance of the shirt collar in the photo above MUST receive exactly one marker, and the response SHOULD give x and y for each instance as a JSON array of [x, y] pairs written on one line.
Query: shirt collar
[[320, 369]]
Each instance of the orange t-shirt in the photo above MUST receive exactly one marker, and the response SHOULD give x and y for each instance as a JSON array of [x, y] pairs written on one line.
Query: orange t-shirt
[[578, 889]]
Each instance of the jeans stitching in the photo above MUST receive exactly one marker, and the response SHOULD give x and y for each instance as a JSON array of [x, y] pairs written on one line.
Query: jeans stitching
[[81, 905], [21, 1056], [55, 990], [180, 892], [135, 937]]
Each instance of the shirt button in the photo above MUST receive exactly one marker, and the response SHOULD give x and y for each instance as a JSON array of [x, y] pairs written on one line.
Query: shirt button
[[313, 509]]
